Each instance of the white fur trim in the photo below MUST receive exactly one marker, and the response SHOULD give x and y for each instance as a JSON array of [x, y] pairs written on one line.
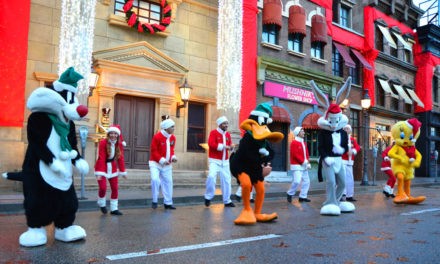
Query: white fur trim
[[59, 86], [259, 113], [114, 129], [297, 130]]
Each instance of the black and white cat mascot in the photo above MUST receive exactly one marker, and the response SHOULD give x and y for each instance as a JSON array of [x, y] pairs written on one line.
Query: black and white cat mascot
[[47, 172], [332, 143]]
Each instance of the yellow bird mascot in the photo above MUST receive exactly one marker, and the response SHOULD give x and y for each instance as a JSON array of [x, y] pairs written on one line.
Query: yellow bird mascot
[[405, 158]]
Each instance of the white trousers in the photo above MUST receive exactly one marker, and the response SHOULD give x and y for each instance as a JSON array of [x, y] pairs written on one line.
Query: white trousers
[[300, 177], [162, 177], [225, 181], [349, 181], [239, 190]]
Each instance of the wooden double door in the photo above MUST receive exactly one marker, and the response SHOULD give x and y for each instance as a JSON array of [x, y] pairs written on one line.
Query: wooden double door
[[135, 115]]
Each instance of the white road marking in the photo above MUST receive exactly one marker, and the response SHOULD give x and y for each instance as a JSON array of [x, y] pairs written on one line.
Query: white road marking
[[421, 211], [189, 247]]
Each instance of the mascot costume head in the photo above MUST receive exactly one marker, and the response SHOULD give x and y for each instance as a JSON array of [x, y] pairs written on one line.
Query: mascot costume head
[[332, 143], [405, 158], [251, 163], [47, 172]]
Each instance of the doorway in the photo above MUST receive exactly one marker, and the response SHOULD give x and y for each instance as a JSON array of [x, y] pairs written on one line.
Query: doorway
[[279, 163], [135, 115]]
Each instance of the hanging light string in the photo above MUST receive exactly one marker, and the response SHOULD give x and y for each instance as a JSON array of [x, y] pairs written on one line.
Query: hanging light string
[[229, 54], [76, 39]]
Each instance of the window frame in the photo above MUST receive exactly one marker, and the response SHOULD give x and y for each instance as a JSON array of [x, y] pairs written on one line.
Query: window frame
[[270, 34], [137, 8], [337, 63], [295, 42], [317, 48], [200, 129]]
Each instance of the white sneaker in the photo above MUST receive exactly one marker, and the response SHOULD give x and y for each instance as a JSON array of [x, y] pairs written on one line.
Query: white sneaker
[[33, 237]]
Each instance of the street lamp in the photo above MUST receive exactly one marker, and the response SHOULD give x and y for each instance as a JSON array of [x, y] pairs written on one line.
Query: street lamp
[[366, 103], [185, 93]]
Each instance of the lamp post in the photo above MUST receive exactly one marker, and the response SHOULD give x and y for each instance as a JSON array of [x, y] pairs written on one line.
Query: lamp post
[[185, 93], [366, 103]]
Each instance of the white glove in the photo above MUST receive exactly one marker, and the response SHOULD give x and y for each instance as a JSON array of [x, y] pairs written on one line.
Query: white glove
[[338, 150], [82, 166], [386, 158], [263, 151], [329, 161], [309, 166]]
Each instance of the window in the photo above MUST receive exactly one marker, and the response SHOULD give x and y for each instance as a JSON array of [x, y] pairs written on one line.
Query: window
[[148, 11], [337, 63], [270, 33], [295, 42], [355, 73], [394, 101], [312, 142], [196, 127], [380, 94], [345, 16], [435, 91], [354, 122], [378, 40], [407, 56], [317, 50], [393, 50]]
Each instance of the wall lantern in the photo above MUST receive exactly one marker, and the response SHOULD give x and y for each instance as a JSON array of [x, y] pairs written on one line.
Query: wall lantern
[[185, 93], [366, 100], [93, 81]]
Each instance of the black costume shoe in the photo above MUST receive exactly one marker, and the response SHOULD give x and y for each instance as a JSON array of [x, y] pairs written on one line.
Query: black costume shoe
[[289, 198], [392, 195], [343, 198], [103, 209], [231, 204], [386, 194], [116, 212], [169, 207], [154, 205], [207, 202], [252, 201], [238, 198], [350, 199], [301, 200]]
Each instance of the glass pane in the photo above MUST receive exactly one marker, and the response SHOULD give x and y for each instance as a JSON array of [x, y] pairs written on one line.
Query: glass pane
[[118, 6], [136, 3], [144, 13], [155, 16], [144, 5], [155, 8], [196, 115]]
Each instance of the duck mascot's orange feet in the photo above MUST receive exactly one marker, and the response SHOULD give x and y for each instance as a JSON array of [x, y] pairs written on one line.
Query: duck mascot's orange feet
[[247, 216], [259, 199]]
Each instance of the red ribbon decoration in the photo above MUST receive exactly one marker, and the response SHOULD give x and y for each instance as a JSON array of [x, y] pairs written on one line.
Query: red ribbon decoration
[[128, 6], [132, 20]]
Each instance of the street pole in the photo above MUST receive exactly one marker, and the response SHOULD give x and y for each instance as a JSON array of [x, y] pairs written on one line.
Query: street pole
[[83, 132], [364, 181], [374, 161], [435, 158]]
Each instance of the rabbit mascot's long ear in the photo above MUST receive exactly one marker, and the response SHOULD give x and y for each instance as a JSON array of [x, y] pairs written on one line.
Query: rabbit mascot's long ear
[[333, 119]]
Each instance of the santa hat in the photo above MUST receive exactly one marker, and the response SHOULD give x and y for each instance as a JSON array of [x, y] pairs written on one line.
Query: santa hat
[[221, 120], [167, 123], [262, 113], [349, 128], [68, 81], [114, 128], [414, 124], [297, 130], [333, 110]]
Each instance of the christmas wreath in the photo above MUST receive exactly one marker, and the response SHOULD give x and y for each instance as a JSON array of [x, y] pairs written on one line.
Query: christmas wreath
[[133, 19]]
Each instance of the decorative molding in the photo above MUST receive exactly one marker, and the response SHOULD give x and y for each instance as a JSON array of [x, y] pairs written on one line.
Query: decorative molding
[[45, 76]]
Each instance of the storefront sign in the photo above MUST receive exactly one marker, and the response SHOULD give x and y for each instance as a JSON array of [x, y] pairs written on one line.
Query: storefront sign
[[289, 93]]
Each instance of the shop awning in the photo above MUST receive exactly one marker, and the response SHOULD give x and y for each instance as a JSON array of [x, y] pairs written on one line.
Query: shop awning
[[387, 89], [344, 53], [272, 13], [415, 98], [311, 121], [402, 93], [297, 20], [319, 29], [386, 34], [403, 42], [279, 114], [361, 59]]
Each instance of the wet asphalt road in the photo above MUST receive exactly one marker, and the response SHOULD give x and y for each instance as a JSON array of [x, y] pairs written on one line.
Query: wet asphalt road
[[378, 232]]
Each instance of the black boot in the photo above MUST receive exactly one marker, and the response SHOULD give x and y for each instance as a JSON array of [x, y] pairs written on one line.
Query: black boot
[[103, 209], [116, 212]]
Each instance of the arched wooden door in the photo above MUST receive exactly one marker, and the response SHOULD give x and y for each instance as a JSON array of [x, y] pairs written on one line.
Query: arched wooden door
[[136, 117]]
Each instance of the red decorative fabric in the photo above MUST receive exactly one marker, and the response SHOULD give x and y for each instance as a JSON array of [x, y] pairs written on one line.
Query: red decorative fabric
[[345, 55], [362, 59], [319, 29], [272, 12], [249, 68], [14, 21], [297, 20], [311, 121], [279, 114]]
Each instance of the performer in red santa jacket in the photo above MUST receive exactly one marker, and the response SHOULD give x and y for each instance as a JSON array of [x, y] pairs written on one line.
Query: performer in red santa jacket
[[109, 166], [219, 143], [161, 170], [348, 161], [388, 189], [299, 164]]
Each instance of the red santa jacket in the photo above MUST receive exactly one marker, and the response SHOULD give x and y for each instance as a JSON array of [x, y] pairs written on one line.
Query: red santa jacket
[[159, 152], [106, 166], [217, 150], [386, 161], [299, 154], [355, 148]]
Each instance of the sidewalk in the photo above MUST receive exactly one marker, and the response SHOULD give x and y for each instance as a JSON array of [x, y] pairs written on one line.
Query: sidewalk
[[12, 202]]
